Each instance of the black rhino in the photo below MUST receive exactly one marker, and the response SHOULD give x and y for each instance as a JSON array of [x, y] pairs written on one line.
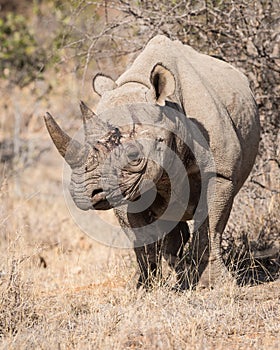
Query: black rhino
[[181, 126]]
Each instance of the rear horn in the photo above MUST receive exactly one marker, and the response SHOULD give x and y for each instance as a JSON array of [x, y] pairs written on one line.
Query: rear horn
[[93, 125]]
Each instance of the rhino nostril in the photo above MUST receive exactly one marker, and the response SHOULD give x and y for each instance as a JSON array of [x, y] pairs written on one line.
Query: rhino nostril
[[97, 191]]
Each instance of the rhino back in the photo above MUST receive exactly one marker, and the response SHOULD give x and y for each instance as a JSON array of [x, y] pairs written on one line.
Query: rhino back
[[214, 94]]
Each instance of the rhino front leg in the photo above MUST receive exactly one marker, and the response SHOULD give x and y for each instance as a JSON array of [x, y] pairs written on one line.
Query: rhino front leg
[[149, 261], [173, 252], [199, 255], [137, 227]]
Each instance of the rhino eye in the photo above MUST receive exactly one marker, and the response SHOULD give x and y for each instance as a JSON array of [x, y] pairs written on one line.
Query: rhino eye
[[134, 155], [135, 160]]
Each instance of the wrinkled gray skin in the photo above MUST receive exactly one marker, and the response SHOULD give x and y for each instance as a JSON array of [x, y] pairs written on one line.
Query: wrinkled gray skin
[[115, 162]]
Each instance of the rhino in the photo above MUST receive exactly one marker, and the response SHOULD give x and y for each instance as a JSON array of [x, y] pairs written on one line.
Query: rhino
[[173, 139]]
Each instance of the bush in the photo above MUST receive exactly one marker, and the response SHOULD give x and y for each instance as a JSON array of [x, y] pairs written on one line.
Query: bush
[[21, 58]]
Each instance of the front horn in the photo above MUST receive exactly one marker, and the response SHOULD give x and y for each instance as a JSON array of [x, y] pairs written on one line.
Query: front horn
[[67, 147]]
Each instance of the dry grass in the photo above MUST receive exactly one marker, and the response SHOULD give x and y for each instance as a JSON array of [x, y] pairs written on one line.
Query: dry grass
[[59, 289], [79, 300]]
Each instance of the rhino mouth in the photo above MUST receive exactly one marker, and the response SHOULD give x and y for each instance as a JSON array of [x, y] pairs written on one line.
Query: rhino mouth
[[99, 200], [102, 205]]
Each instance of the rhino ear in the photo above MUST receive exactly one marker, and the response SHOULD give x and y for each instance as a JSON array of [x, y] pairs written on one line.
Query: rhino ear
[[101, 83], [163, 82]]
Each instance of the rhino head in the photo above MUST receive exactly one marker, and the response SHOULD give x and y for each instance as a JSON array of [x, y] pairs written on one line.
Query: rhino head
[[124, 153]]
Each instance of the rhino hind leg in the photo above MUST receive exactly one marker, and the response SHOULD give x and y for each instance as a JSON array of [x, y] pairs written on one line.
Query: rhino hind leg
[[207, 267], [219, 212]]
